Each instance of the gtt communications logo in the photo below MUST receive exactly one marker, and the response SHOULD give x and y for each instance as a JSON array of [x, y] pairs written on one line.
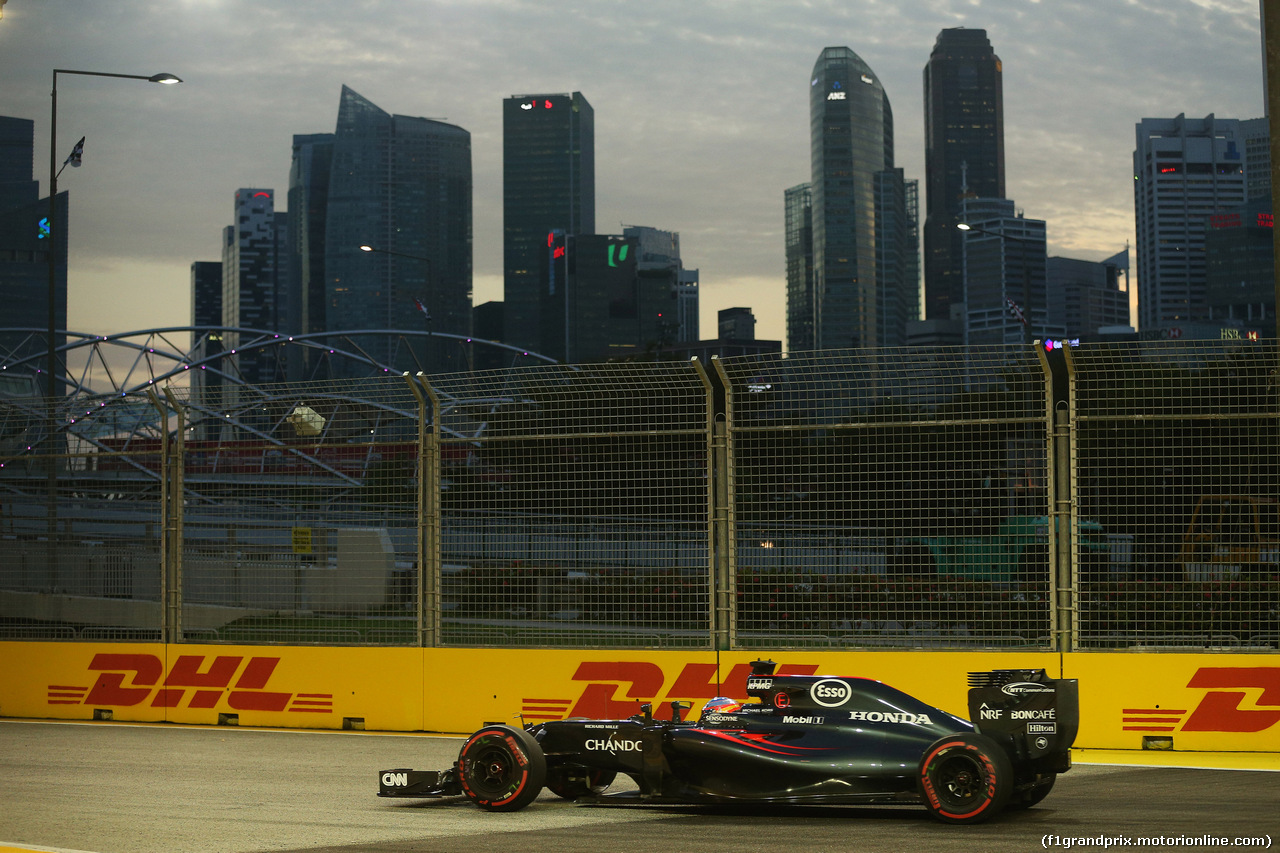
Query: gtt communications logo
[[194, 681], [1238, 699]]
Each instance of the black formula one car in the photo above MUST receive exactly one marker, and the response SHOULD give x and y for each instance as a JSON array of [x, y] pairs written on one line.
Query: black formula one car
[[807, 740]]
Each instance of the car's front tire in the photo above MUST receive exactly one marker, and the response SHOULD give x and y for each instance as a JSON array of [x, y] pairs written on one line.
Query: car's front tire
[[965, 778], [501, 768]]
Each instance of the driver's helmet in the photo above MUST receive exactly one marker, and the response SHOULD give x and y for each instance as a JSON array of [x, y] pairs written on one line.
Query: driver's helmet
[[721, 705]]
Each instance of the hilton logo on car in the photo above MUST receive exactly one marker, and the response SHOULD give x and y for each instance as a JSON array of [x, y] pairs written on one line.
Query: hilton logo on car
[[1042, 728], [830, 692]]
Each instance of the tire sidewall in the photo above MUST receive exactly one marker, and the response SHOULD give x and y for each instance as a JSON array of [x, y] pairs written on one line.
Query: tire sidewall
[[525, 754], [993, 765]]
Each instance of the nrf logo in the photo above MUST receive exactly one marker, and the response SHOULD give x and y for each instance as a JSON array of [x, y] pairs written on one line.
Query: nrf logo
[[194, 681]]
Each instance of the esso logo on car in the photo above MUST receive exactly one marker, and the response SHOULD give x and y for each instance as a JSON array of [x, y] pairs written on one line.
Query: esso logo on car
[[830, 692]]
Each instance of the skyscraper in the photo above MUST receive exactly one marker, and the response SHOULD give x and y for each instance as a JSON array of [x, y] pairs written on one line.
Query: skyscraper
[[308, 208], [1184, 170], [401, 185], [548, 184], [862, 221], [964, 152], [206, 310], [25, 243], [1003, 263], [798, 210], [1086, 296], [252, 287]]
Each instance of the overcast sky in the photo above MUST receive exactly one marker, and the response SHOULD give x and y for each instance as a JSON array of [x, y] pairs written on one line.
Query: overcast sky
[[701, 111]]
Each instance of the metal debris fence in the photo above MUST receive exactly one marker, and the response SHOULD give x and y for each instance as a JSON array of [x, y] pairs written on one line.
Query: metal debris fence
[[1106, 496]]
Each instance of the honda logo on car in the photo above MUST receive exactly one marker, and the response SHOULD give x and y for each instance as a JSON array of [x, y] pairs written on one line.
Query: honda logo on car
[[890, 717], [830, 692]]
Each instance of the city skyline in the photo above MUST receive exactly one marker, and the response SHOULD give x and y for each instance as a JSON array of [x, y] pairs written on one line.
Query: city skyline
[[701, 115]]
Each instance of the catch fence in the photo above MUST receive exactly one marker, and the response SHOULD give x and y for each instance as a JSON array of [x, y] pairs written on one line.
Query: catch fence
[[1108, 496]]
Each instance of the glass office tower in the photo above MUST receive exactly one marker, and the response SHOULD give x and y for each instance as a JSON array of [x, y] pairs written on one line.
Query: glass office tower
[[963, 154], [857, 259], [548, 184], [401, 185]]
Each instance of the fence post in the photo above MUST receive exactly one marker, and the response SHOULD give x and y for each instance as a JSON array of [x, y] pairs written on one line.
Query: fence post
[[724, 533], [170, 520], [1067, 581], [428, 510], [174, 527]]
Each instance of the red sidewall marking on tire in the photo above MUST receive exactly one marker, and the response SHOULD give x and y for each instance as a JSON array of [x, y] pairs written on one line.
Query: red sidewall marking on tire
[[522, 760], [990, 781]]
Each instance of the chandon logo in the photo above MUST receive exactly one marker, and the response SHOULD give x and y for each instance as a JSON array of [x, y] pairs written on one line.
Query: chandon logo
[[613, 745]]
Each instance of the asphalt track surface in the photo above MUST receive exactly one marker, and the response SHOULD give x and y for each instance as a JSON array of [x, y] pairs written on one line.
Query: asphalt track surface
[[112, 788]]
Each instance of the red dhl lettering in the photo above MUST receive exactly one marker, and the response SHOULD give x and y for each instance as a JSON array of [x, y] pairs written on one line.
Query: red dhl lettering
[[194, 681], [640, 682], [1222, 707]]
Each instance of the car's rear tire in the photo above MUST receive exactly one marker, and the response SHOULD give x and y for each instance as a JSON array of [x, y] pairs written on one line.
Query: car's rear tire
[[501, 768], [571, 781], [965, 778]]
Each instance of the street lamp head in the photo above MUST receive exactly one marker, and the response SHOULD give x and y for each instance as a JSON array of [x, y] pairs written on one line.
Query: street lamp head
[[964, 226], [165, 78], [366, 248]]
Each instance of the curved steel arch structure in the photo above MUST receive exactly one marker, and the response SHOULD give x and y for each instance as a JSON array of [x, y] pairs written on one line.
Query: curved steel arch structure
[[110, 404], [155, 345]]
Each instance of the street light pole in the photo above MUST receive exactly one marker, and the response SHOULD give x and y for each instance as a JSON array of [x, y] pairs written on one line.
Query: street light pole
[[55, 236], [51, 384]]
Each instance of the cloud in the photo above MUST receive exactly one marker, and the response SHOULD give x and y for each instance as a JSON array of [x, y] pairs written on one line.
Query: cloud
[[701, 110]]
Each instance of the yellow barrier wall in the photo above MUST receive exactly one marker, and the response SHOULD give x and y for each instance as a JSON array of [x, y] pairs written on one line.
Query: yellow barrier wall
[[1203, 702]]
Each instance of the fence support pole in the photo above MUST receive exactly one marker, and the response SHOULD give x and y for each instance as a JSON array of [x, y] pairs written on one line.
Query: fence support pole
[[724, 536], [170, 518], [428, 604], [174, 527]]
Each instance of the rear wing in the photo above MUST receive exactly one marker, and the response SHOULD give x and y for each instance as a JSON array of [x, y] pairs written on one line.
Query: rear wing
[[1031, 715]]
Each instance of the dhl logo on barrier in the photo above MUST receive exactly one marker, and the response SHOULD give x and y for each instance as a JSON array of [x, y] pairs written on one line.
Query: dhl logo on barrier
[[133, 679], [1222, 708], [643, 681]]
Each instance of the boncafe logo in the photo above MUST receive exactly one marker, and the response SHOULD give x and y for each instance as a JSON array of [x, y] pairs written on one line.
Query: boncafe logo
[[194, 681]]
